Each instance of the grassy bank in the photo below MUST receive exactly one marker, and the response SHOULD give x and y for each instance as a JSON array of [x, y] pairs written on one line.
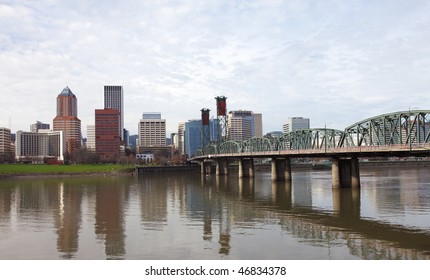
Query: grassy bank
[[42, 169]]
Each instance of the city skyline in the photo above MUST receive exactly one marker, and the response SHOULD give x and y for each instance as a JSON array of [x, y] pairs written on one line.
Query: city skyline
[[334, 63]]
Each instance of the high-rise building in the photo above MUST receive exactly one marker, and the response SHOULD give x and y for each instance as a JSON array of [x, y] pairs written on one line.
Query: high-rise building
[[258, 124], [180, 138], [240, 125], [5, 145], [39, 146], [152, 130], [114, 99], [108, 141], [295, 123], [91, 138], [35, 127], [67, 120], [192, 136]]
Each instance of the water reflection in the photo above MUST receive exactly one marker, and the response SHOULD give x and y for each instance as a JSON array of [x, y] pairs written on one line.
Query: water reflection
[[109, 224], [189, 216], [68, 219]]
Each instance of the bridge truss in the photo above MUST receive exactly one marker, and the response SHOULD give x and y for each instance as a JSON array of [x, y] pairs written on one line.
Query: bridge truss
[[406, 127], [399, 128]]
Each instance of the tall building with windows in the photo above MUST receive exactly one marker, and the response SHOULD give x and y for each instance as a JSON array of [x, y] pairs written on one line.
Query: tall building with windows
[[240, 125], [180, 138], [67, 120], [152, 130], [192, 135], [114, 99], [91, 138], [6, 153], [152, 136], [295, 123], [108, 141], [258, 124]]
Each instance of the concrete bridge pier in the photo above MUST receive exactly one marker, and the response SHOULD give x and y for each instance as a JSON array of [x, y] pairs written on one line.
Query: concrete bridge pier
[[205, 167], [246, 167], [345, 173], [221, 166], [281, 169]]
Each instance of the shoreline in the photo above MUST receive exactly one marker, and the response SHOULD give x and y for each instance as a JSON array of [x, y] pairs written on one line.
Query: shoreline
[[195, 169]]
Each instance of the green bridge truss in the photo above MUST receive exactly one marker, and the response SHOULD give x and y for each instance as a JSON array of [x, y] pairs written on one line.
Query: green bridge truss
[[399, 128]]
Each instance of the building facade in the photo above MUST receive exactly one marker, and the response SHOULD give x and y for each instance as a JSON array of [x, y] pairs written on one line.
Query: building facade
[[39, 147], [35, 127], [67, 120], [107, 139], [192, 136], [258, 124], [152, 130], [91, 138], [240, 125], [180, 140], [114, 99], [295, 123], [6, 153]]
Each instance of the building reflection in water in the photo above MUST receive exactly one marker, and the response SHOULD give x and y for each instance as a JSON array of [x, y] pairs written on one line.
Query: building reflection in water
[[109, 224], [5, 205], [153, 197], [217, 213], [68, 219]]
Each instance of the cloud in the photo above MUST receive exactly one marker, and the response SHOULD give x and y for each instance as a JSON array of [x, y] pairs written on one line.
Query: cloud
[[334, 62]]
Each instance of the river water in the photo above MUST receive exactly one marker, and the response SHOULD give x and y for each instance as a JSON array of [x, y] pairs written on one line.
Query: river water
[[189, 216]]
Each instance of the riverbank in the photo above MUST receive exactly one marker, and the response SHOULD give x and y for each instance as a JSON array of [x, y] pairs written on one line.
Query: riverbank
[[29, 170]]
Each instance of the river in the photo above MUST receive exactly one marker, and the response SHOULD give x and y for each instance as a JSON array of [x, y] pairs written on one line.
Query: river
[[189, 216]]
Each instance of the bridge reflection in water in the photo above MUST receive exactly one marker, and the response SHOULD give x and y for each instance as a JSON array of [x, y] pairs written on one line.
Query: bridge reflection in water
[[189, 216], [365, 238]]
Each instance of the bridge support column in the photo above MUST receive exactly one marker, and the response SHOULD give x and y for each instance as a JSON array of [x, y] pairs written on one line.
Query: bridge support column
[[345, 173], [335, 179], [281, 169], [205, 167], [221, 167], [355, 173], [246, 167]]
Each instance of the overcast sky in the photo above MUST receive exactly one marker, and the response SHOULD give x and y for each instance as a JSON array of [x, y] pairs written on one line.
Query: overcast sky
[[335, 62]]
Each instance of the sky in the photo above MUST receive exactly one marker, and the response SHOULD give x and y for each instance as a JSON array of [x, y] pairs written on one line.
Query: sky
[[334, 62]]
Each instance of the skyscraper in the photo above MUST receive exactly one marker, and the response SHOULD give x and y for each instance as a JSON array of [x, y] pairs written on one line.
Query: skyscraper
[[67, 120], [258, 124], [240, 125], [114, 99], [152, 130], [192, 136], [107, 139]]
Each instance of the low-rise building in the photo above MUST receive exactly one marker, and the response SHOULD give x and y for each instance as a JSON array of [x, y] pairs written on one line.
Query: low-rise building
[[44, 146]]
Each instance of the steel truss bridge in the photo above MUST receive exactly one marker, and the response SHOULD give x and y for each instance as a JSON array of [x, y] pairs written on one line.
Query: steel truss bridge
[[405, 133]]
